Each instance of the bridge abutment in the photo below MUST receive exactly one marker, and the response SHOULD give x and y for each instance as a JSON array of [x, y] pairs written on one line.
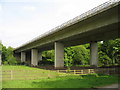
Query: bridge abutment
[[34, 57], [59, 55], [94, 53]]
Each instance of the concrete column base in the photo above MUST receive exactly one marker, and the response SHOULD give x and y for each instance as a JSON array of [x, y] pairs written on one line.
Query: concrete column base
[[59, 55]]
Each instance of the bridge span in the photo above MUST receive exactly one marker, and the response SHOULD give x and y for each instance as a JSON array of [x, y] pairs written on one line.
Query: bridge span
[[100, 23]]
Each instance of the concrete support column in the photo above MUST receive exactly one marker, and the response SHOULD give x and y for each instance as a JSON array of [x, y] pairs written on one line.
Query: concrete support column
[[23, 56], [94, 54], [34, 57], [59, 55]]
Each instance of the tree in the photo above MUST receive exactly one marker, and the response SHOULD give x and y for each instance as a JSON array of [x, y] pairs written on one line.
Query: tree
[[81, 55], [111, 48], [7, 55], [0, 52], [48, 57], [104, 59], [68, 57], [4, 51], [76, 55]]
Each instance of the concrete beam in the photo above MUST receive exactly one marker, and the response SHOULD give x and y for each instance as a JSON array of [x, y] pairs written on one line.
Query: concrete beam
[[59, 55], [94, 54], [23, 56], [34, 57]]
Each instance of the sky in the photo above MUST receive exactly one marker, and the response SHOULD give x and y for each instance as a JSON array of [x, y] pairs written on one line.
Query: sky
[[23, 20]]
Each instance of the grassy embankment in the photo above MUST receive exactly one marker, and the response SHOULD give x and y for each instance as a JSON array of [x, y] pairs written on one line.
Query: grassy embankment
[[68, 81]]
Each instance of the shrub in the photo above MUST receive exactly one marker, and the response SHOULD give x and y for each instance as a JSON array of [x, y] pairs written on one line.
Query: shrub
[[11, 60]]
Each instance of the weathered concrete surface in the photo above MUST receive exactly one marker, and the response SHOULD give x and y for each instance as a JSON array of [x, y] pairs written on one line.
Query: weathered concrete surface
[[94, 53], [23, 56], [59, 55], [99, 25], [34, 57]]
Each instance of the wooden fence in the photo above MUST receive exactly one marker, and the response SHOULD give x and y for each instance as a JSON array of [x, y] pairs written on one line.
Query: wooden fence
[[38, 74], [108, 71], [26, 74], [80, 72]]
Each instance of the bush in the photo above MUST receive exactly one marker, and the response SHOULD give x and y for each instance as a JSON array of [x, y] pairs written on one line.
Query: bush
[[11, 60], [104, 59], [5, 63]]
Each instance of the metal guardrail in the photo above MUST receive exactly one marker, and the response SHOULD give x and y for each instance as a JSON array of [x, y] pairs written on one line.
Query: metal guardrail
[[81, 17]]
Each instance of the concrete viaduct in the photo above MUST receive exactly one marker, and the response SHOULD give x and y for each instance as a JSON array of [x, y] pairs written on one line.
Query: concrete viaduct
[[100, 23]]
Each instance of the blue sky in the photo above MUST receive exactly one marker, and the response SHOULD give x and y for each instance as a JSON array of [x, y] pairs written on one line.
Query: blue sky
[[23, 20]]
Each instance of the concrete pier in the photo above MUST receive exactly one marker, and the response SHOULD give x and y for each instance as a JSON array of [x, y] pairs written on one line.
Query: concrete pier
[[94, 53], [34, 57], [23, 56], [59, 55]]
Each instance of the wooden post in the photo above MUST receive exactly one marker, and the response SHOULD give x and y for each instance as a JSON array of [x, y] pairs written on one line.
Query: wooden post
[[88, 71], [11, 75], [92, 71], [81, 71], [74, 72]]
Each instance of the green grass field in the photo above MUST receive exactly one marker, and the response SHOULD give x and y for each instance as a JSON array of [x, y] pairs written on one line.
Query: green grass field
[[68, 81], [27, 73]]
